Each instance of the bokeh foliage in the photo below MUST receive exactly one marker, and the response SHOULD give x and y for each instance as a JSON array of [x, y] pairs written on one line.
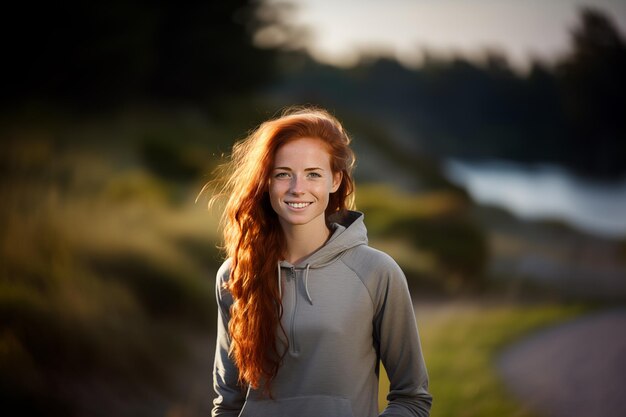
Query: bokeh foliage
[[101, 53], [438, 244], [106, 274]]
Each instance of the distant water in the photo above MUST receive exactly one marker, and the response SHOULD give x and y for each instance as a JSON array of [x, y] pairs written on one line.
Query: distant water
[[545, 191]]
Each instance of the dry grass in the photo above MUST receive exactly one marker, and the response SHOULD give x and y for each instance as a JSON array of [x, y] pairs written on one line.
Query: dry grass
[[102, 276]]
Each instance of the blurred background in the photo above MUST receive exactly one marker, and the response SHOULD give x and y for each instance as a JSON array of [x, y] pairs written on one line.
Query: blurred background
[[491, 147]]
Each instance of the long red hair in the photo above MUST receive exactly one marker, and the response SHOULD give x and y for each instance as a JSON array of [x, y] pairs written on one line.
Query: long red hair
[[253, 238]]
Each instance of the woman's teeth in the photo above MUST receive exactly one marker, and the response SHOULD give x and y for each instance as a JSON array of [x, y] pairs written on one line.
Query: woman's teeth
[[298, 205]]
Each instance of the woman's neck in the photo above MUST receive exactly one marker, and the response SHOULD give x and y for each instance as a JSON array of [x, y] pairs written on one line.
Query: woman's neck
[[303, 241]]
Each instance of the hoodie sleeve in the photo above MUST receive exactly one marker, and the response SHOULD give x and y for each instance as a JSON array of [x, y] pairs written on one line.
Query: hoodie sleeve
[[230, 397], [395, 331]]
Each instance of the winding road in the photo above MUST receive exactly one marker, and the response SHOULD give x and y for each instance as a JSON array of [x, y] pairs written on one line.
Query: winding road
[[575, 369]]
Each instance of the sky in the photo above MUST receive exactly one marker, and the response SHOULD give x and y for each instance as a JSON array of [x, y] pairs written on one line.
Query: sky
[[522, 29]]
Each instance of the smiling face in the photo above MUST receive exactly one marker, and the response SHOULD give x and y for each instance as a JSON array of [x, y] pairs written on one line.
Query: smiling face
[[300, 183]]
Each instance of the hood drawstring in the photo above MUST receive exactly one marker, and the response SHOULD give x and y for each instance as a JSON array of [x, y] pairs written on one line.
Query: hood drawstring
[[306, 283], [280, 284]]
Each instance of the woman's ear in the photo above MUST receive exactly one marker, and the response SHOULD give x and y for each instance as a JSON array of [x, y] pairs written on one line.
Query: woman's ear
[[337, 177]]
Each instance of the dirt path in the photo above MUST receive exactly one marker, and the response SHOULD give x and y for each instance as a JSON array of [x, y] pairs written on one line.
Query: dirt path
[[576, 369]]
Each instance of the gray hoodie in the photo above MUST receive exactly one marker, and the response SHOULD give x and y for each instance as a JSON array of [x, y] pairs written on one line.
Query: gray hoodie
[[345, 308]]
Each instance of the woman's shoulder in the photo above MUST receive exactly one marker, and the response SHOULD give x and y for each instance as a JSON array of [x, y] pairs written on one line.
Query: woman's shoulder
[[366, 260], [223, 273], [378, 272]]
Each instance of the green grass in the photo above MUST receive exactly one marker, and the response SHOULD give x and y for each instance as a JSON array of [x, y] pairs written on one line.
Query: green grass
[[461, 343]]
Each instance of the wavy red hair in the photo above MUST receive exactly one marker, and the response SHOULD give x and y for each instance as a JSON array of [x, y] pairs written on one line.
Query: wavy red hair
[[253, 238]]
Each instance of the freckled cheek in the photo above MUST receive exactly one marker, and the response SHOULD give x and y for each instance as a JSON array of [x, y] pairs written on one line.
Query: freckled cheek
[[277, 192], [322, 192]]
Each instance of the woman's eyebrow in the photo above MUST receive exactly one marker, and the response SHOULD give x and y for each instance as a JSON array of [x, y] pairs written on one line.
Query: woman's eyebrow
[[306, 169]]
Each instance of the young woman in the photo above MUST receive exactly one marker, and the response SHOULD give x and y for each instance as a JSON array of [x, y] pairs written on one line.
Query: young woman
[[306, 309]]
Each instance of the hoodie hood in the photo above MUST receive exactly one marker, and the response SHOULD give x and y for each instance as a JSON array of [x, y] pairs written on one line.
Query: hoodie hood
[[349, 231]]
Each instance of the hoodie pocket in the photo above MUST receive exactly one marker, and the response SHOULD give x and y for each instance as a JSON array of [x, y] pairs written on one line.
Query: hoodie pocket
[[309, 406]]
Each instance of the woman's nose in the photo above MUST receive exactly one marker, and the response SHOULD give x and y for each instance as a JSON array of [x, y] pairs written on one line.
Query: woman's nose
[[296, 185]]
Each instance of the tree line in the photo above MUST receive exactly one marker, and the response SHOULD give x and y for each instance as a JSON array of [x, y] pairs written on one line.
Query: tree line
[[90, 55], [570, 112]]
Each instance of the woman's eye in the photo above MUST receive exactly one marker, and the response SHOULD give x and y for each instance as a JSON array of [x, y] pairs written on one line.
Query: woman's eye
[[315, 175], [282, 175]]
